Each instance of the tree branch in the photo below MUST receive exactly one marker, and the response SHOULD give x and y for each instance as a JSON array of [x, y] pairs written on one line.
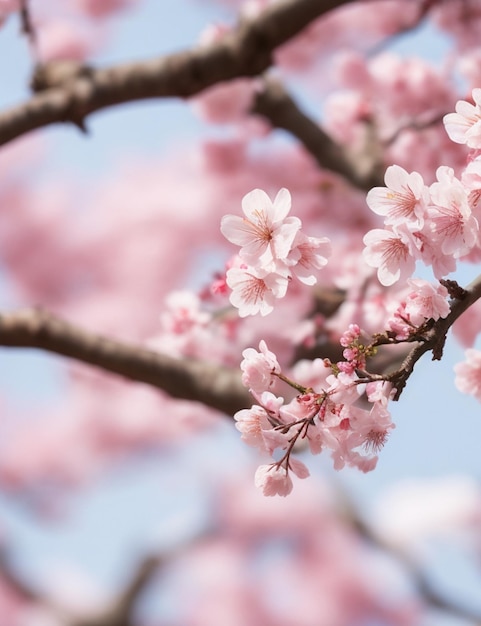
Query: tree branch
[[433, 598], [433, 339], [216, 386], [245, 51], [274, 103], [119, 612]]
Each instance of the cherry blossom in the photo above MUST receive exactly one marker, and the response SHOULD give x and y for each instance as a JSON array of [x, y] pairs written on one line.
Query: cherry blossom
[[273, 249], [431, 253], [426, 301], [327, 417], [464, 126], [471, 179], [452, 222], [399, 325], [391, 253], [259, 368], [308, 255], [255, 291], [423, 302], [252, 423], [273, 480], [468, 374], [403, 201], [266, 234]]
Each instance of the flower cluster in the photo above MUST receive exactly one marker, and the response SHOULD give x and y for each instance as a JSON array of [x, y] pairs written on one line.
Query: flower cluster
[[342, 407], [328, 418], [273, 249], [435, 225], [424, 302]]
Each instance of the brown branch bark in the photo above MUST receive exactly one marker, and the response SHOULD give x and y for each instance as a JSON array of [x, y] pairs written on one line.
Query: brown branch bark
[[217, 387], [274, 103], [433, 339], [246, 51], [26, 21]]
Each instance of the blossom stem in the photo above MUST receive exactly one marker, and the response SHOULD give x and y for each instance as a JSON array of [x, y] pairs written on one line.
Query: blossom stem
[[300, 388]]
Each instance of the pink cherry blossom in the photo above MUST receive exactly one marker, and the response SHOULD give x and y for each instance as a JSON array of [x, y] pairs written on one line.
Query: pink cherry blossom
[[256, 424], [362, 438], [255, 291], [259, 368], [404, 199], [464, 126], [266, 234], [471, 179], [183, 312], [312, 373], [468, 374], [399, 324], [273, 250], [311, 253], [302, 407], [390, 253], [452, 222], [276, 439], [431, 253], [426, 301], [298, 467], [380, 391], [251, 422], [273, 480], [351, 334]]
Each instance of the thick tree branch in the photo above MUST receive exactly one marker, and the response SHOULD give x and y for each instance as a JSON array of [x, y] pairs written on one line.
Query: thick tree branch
[[246, 51], [188, 379], [274, 103]]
